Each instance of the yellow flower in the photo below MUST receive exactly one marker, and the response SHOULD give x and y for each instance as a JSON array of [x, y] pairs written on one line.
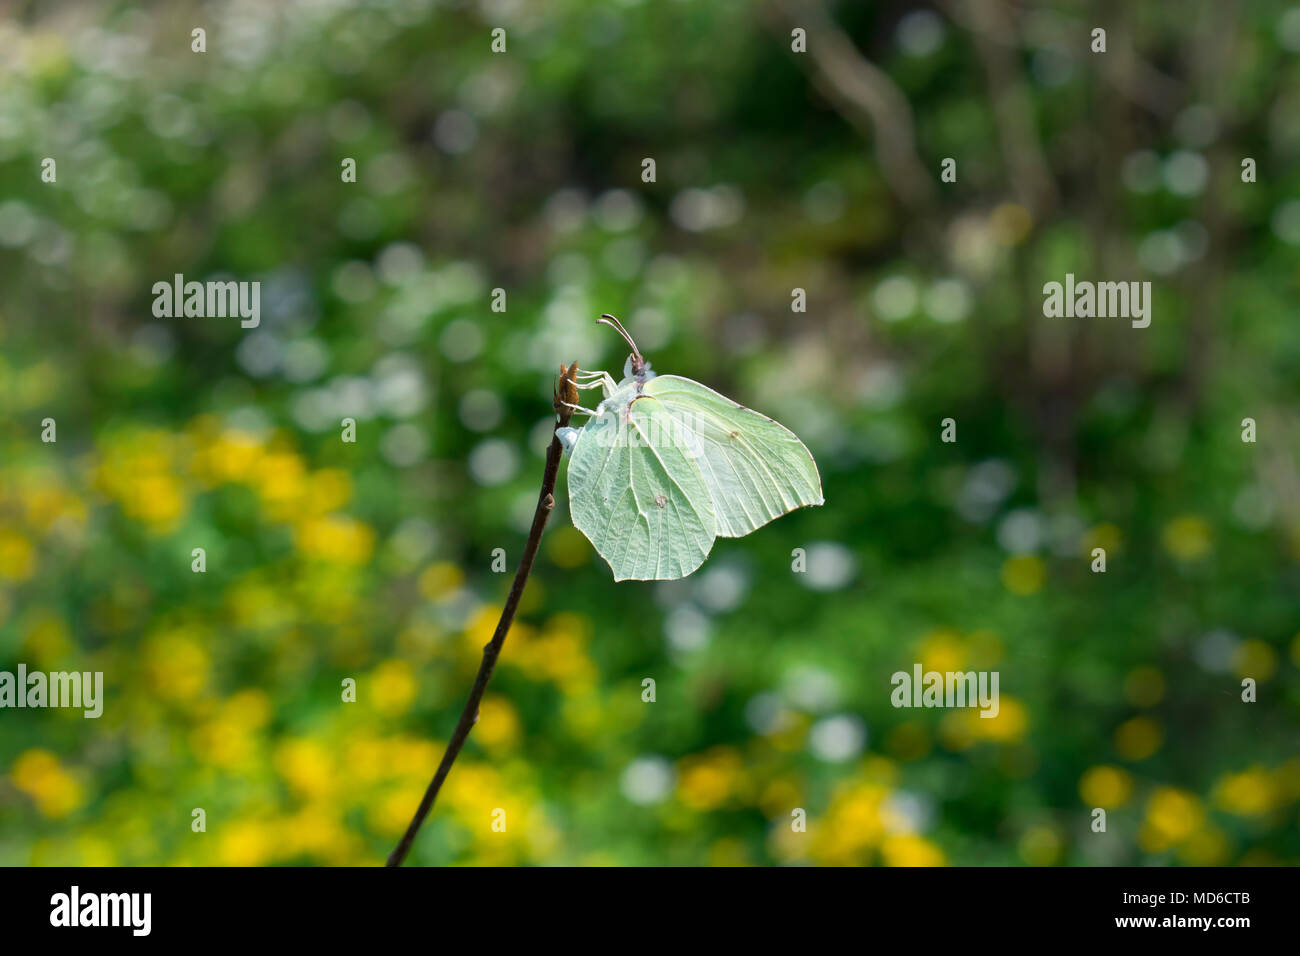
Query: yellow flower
[[232, 457], [96, 851], [411, 758], [1255, 659], [1040, 845], [1187, 538], [1105, 786], [246, 843], [1138, 738], [46, 639], [472, 793], [498, 724], [318, 831], [1172, 816], [909, 849], [307, 766], [1024, 574], [17, 556], [176, 665], [557, 654], [138, 469], [567, 662], [1251, 793], [706, 781], [54, 790], [230, 739], [392, 688], [853, 826], [224, 744], [942, 651], [1009, 725], [336, 538], [155, 499], [328, 490], [480, 628], [249, 709], [1208, 846], [280, 479], [365, 759]]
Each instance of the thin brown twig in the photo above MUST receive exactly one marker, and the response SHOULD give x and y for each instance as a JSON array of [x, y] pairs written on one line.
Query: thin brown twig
[[565, 392]]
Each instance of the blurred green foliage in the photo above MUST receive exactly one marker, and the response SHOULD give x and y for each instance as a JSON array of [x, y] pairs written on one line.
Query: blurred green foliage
[[328, 560]]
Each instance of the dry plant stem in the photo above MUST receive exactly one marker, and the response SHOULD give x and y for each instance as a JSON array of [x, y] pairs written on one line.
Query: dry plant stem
[[469, 716]]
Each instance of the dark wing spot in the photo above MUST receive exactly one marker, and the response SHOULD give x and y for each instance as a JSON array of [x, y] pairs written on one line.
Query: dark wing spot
[[734, 435], [661, 500]]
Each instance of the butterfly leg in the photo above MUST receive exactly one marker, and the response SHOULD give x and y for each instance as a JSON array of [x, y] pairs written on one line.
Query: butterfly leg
[[608, 386], [602, 379], [579, 408]]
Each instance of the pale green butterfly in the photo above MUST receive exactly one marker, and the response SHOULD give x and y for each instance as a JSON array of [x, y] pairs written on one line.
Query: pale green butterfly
[[665, 465]]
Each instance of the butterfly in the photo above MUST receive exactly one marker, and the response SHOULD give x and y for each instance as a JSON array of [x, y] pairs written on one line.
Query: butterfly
[[664, 466]]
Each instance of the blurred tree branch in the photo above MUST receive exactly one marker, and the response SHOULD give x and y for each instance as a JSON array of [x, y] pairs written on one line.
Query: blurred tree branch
[[1027, 166], [1209, 54], [1133, 77], [863, 94]]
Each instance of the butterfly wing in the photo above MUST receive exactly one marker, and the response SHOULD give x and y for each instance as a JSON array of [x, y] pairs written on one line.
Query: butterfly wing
[[637, 494], [755, 468]]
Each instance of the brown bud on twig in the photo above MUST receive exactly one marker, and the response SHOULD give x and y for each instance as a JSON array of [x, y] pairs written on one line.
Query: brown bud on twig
[[566, 393]]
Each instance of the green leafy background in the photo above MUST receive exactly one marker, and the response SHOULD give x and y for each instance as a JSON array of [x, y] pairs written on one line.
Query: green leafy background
[[522, 171]]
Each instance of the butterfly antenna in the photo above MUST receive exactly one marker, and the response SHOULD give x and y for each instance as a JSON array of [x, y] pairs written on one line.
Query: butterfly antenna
[[606, 319]]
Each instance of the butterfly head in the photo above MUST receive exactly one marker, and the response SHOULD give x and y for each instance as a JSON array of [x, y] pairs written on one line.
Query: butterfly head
[[636, 366], [641, 373]]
